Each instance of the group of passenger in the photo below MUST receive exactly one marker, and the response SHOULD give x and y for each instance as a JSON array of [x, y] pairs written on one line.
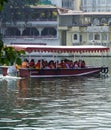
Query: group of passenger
[[66, 63]]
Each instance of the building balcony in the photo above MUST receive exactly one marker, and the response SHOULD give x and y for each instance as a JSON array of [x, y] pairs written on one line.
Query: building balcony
[[30, 37], [30, 24]]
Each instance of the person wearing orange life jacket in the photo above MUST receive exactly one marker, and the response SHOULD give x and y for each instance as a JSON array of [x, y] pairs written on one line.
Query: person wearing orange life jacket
[[25, 64]]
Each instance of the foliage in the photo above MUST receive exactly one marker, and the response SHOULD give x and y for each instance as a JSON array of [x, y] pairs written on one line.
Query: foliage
[[1, 43], [21, 10], [2, 3], [16, 10], [8, 55]]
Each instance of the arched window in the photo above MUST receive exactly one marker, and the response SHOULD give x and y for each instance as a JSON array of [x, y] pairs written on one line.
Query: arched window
[[30, 31], [49, 31], [104, 21], [96, 21], [12, 31], [75, 37]]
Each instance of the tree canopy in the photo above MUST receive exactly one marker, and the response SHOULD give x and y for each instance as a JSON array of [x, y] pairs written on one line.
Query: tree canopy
[[2, 3], [15, 10], [8, 55]]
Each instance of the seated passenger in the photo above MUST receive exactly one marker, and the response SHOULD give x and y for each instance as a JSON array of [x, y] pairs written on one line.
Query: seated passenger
[[76, 64], [37, 65], [51, 64], [43, 64], [58, 64], [79, 63], [25, 64], [63, 64], [71, 64], [83, 64], [32, 63], [67, 63]]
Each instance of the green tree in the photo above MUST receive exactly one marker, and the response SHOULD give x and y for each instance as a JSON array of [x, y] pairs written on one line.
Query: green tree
[[15, 10], [8, 55], [2, 3], [12, 11]]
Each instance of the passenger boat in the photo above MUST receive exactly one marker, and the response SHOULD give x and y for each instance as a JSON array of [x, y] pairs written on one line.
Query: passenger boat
[[61, 72]]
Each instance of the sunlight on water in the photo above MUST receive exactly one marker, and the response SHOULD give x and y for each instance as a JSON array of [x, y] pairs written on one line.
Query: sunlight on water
[[55, 104]]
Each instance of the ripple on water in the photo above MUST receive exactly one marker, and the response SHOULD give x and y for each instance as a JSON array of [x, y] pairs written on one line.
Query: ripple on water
[[67, 104]]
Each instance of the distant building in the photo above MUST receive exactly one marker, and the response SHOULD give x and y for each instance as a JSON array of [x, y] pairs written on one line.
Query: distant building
[[46, 2], [51, 25], [84, 28], [67, 4], [39, 29], [83, 5], [96, 5]]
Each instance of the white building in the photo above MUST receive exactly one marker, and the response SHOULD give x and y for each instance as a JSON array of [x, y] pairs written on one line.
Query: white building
[[84, 5], [58, 3], [40, 29], [96, 5], [68, 4]]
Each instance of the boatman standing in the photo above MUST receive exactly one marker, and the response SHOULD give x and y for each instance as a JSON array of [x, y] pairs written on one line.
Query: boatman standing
[[12, 71]]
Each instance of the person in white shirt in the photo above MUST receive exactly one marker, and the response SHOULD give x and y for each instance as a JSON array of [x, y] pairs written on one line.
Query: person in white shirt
[[12, 71]]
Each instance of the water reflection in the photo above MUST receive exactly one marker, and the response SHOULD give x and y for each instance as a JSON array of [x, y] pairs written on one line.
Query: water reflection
[[50, 88], [56, 104]]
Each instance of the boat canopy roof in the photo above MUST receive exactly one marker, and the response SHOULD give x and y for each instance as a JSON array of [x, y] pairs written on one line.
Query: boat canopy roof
[[62, 49]]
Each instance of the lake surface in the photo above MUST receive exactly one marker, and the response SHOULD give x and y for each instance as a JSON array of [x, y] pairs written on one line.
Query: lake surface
[[82, 103]]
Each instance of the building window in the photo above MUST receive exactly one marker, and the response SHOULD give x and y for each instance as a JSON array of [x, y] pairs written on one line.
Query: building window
[[104, 37], [12, 31], [80, 38], [97, 36], [102, 1], [49, 31], [30, 31], [103, 20], [75, 37], [85, 2], [67, 4], [96, 21], [91, 36]]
